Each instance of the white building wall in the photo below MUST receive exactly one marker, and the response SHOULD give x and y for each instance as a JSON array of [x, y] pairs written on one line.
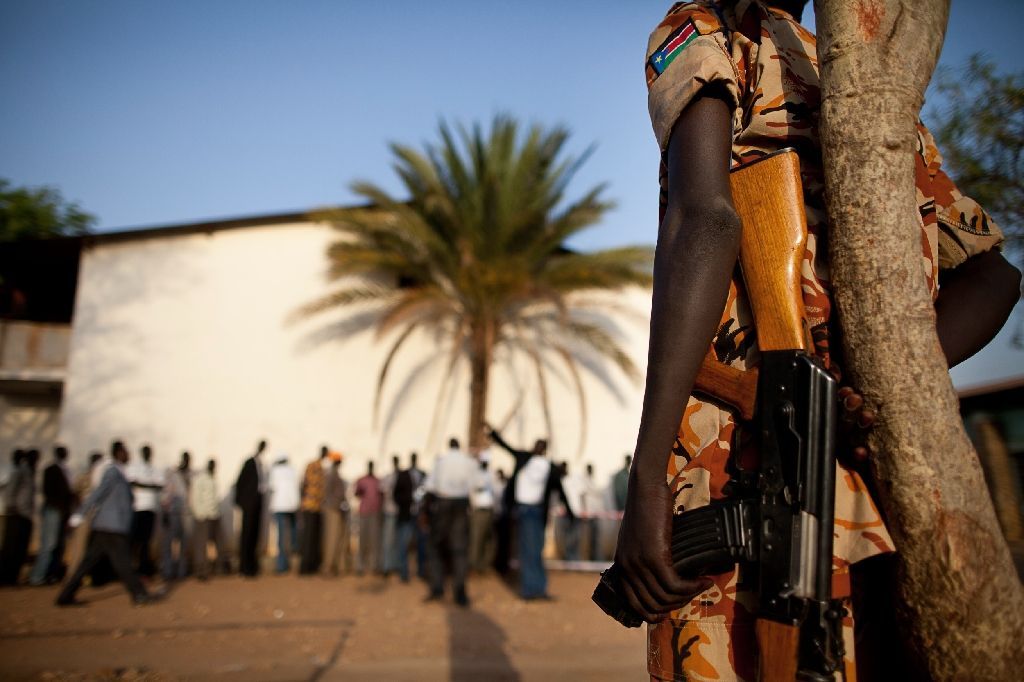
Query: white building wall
[[185, 342]]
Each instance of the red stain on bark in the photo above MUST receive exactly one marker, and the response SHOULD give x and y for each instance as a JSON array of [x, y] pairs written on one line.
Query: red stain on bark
[[869, 18]]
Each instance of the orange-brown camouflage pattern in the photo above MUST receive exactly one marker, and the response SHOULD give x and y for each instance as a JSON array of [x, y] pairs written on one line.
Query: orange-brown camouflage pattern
[[766, 63]]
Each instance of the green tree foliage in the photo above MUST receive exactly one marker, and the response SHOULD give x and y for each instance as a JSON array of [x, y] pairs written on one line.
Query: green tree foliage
[[475, 254], [30, 213], [980, 130]]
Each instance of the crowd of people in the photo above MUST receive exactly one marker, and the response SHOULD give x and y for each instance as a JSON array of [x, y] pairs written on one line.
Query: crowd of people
[[461, 517]]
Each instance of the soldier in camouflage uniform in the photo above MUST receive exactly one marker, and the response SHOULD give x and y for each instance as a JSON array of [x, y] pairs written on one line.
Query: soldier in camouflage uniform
[[730, 82]]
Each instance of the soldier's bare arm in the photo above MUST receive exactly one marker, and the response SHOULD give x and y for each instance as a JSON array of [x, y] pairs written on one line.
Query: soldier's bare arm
[[698, 244]]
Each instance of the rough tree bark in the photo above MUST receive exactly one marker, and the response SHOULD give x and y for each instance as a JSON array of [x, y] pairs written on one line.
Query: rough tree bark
[[959, 593]]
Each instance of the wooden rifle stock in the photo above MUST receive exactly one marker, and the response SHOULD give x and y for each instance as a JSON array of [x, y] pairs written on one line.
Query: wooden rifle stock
[[778, 650], [768, 198]]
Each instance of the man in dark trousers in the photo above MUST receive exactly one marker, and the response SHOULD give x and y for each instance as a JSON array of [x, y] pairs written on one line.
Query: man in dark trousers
[[405, 526], [58, 499], [249, 498], [147, 483], [418, 477], [112, 502], [314, 491], [448, 488]]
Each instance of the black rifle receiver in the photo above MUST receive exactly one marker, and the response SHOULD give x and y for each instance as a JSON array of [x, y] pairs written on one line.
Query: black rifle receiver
[[779, 523]]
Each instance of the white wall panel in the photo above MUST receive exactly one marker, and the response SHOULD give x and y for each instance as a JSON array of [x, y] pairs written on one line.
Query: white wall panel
[[184, 342]]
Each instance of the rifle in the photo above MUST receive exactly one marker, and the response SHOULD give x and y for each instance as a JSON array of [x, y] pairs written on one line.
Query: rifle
[[778, 522]]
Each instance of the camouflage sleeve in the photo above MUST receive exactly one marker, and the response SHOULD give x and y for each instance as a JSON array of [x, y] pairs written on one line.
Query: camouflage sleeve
[[686, 52], [965, 229]]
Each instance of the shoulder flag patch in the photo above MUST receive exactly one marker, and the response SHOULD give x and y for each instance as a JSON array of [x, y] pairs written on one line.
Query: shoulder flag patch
[[673, 46]]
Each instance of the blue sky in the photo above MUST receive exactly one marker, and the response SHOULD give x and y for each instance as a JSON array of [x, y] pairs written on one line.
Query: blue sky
[[154, 113]]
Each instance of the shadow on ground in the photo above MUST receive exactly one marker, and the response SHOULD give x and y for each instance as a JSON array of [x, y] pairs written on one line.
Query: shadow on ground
[[476, 648]]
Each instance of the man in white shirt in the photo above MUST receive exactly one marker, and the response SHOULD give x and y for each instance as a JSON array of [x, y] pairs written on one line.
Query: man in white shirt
[[530, 486], [283, 482], [205, 506], [531, 492], [448, 487], [146, 481]]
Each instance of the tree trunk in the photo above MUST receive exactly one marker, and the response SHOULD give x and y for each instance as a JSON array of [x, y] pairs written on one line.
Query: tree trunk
[[481, 355], [960, 596]]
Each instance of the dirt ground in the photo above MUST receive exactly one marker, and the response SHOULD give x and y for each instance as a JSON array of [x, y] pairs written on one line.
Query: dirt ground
[[291, 628]]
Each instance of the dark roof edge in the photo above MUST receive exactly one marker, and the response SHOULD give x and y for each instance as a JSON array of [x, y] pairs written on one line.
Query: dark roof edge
[[206, 226]]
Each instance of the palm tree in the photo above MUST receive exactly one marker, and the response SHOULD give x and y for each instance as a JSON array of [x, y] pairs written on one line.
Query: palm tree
[[476, 255]]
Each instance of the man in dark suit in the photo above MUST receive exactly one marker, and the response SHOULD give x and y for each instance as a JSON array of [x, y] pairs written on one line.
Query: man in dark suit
[[58, 498], [112, 502], [249, 498]]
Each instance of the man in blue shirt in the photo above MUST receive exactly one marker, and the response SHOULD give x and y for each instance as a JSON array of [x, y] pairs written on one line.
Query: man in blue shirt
[[111, 526]]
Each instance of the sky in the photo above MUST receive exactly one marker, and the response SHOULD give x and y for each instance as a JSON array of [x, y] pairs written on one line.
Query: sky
[[155, 113]]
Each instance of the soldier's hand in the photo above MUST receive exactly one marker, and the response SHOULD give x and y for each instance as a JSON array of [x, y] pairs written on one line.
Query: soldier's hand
[[649, 583], [854, 419]]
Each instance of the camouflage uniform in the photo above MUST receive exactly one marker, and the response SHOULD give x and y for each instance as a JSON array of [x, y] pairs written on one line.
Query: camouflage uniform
[[766, 63]]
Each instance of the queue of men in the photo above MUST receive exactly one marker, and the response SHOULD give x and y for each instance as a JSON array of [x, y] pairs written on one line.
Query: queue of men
[[463, 517]]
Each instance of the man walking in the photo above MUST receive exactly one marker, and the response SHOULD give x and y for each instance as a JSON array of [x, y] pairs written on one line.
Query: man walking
[[58, 499], [284, 504], [448, 488], [249, 498], [147, 481], [112, 501]]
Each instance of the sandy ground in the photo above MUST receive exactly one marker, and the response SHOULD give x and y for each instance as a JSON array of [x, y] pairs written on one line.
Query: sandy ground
[[291, 628]]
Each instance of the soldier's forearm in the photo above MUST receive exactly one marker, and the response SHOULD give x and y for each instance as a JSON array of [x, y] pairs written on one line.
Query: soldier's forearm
[[698, 243]]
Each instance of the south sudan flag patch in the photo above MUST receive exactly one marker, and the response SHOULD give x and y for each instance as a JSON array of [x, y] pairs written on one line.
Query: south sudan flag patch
[[673, 46]]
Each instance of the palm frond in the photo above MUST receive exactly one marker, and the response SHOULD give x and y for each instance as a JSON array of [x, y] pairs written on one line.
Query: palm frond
[[456, 354], [386, 367], [602, 342], [419, 303], [581, 395], [478, 241], [358, 294], [542, 386]]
